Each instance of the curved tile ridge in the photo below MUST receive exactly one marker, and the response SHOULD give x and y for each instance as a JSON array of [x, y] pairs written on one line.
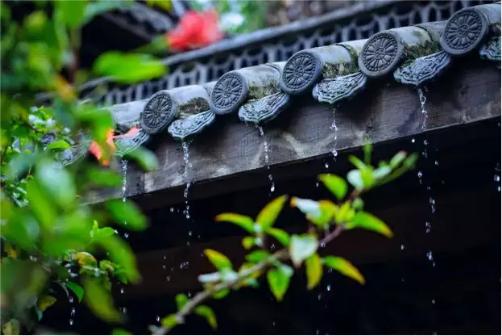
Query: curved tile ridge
[[469, 28], [235, 87], [465, 31], [307, 67], [385, 51], [193, 119], [166, 105]]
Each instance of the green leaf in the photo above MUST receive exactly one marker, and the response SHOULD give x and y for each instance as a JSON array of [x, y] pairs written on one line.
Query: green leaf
[[345, 267], [58, 145], [367, 148], [280, 235], [76, 289], [45, 301], [397, 159], [181, 300], [278, 280], [248, 242], [71, 13], [122, 255], [257, 256], [354, 178], [320, 213], [103, 177], [367, 221], [98, 233], [219, 260], [335, 184], [301, 247], [120, 331], [357, 162], [313, 268], [245, 222], [41, 205], [127, 215], [145, 158], [99, 300], [381, 172], [11, 327], [128, 68], [207, 313], [268, 215], [345, 213], [57, 182], [221, 294], [169, 322]]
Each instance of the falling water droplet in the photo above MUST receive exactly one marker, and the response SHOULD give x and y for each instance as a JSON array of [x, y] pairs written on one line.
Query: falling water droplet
[[436, 163], [402, 247], [70, 299], [126, 235], [70, 322], [328, 288], [122, 290], [319, 297], [171, 209], [168, 278], [157, 318], [326, 165], [428, 227], [432, 203], [412, 140], [433, 301]]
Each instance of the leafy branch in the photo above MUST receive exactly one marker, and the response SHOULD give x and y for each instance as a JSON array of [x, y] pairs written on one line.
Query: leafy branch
[[327, 221]]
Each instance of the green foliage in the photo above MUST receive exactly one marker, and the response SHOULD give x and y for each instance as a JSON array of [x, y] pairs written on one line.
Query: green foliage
[[344, 267], [313, 268], [128, 68], [100, 301], [369, 222], [268, 215], [278, 280], [219, 260], [327, 220], [302, 247], [207, 313], [335, 184], [50, 237]]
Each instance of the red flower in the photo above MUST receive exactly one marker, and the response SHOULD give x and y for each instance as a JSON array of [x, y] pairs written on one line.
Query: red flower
[[195, 30], [97, 151]]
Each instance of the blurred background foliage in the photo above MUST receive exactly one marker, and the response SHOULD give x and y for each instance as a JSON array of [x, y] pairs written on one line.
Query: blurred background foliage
[[55, 245]]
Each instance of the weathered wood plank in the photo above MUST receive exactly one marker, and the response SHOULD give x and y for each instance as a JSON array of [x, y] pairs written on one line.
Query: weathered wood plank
[[467, 93]]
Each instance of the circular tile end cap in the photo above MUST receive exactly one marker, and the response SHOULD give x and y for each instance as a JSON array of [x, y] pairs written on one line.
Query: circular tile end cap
[[381, 54], [229, 93], [300, 73], [159, 112], [464, 32]]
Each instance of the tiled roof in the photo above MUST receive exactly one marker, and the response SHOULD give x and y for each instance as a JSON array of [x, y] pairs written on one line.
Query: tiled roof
[[410, 55]]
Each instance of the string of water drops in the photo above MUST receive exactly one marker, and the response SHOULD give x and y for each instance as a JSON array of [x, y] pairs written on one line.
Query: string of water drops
[[186, 176], [428, 189], [334, 151], [266, 154], [123, 165], [423, 100], [73, 310]]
